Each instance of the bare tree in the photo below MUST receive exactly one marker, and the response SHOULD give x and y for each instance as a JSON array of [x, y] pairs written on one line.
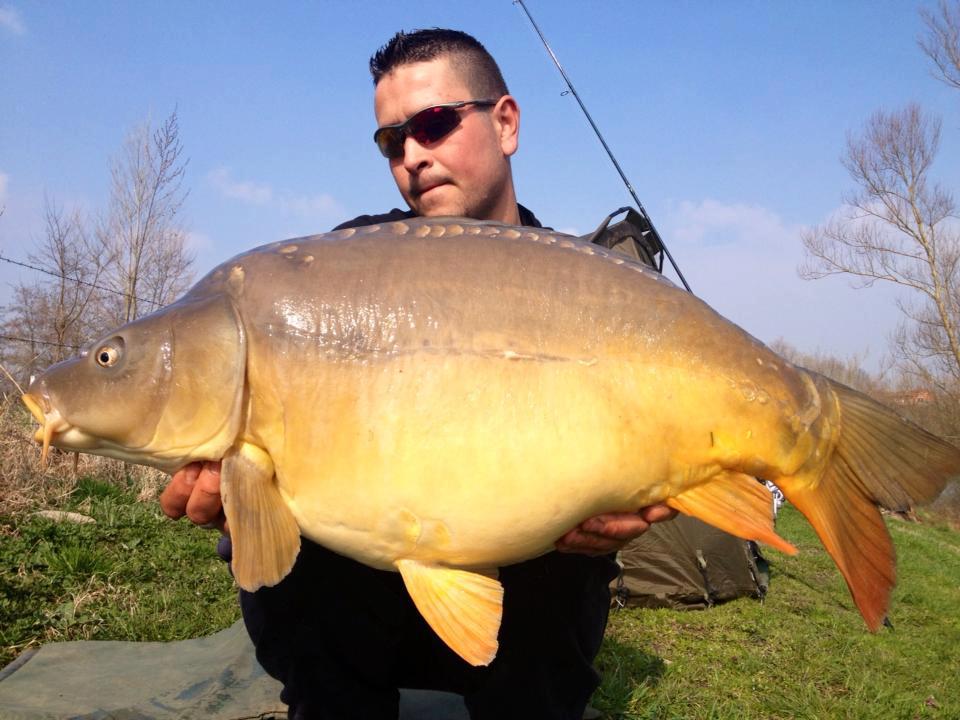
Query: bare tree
[[141, 231], [136, 262], [942, 41], [51, 316], [849, 371], [899, 227]]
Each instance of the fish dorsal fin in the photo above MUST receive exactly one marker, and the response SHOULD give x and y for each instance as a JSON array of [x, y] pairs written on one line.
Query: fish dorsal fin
[[464, 608], [735, 503], [265, 535]]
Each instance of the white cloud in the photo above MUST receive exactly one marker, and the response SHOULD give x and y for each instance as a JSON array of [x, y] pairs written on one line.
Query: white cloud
[[310, 205], [11, 20], [710, 222], [247, 192], [4, 184], [320, 205]]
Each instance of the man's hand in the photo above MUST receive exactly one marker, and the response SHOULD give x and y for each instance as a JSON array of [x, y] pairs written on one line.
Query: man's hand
[[194, 491], [608, 533]]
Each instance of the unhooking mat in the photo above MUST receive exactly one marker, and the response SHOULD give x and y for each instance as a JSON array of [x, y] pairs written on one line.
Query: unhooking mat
[[214, 678]]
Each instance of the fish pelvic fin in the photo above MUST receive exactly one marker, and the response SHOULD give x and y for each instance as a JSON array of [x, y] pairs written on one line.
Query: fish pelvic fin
[[464, 608], [880, 459], [735, 503], [264, 533]]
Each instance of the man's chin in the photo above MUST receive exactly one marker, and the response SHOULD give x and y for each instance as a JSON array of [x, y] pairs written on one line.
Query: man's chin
[[440, 202], [444, 212]]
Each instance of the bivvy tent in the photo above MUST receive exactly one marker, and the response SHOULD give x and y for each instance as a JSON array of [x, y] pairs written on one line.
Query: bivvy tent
[[687, 564]]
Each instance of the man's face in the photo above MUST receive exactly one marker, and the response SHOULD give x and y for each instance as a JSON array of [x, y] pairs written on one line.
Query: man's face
[[467, 172]]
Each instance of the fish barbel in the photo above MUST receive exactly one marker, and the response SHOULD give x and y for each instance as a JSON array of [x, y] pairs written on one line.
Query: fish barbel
[[442, 397]]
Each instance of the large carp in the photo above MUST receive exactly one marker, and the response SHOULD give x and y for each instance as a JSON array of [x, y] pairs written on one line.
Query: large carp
[[443, 396]]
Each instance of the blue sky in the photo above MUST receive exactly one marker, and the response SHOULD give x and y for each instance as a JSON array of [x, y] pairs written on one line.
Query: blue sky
[[729, 118]]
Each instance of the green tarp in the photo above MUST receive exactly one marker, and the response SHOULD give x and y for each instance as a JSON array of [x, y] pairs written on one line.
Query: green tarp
[[213, 678]]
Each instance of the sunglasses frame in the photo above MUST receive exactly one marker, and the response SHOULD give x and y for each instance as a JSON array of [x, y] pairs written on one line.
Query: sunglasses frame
[[403, 127]]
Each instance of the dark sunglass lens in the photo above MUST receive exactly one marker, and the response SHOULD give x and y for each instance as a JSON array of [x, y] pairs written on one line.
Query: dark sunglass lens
[[433, 123], [390, 142], [427, 126]]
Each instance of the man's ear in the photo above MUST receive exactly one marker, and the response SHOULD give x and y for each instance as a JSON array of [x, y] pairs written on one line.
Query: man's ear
[[506, 116]]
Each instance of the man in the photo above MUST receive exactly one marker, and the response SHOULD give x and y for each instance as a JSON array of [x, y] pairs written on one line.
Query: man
[[343, 637]]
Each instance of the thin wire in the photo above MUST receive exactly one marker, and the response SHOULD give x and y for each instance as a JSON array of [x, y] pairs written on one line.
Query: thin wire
[[39, 342], [76, 280], [31, 341], [606, 147]]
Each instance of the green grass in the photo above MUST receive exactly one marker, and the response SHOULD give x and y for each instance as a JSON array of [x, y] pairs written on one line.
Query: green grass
[[802, 653], [134, 575]]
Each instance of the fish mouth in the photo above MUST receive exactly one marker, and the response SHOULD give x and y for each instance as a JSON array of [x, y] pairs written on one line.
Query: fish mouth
[[50, 419], [57, 431]]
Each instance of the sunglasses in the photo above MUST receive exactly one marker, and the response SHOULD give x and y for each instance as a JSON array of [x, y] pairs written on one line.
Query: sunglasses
[[427, 126]]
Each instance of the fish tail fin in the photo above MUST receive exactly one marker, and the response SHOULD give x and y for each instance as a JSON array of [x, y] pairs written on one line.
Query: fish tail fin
[[882, 460]]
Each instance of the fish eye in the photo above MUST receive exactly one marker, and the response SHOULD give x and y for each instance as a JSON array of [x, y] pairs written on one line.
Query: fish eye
[[107, 355]]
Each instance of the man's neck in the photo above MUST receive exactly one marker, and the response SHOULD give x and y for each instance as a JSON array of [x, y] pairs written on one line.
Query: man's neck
[[506, 211], [513, 216]]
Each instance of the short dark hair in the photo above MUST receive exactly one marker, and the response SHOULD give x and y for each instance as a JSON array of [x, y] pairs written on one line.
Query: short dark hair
[[468, 57]]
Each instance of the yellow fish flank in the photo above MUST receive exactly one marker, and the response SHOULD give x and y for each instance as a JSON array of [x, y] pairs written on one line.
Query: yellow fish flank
[[442, 397]]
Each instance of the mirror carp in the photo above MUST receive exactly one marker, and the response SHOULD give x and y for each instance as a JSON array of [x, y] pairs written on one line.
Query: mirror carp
[[441, 397]]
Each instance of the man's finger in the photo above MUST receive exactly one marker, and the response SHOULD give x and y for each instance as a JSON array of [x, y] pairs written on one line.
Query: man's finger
[[619, 527], [174, 498], [204, 506], [582, 541], [657, 513]]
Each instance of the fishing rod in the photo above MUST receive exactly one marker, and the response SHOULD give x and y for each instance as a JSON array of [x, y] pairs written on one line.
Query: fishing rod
[[650, 229]]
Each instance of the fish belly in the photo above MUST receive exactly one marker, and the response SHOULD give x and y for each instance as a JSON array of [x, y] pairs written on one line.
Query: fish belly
[[486, 460]]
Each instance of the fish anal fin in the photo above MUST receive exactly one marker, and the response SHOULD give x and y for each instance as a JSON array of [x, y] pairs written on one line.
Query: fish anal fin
[[735, 503], [464, 608], [265, 535]]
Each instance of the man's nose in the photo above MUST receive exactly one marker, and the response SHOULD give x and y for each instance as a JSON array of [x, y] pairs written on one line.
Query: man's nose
[[415, 156]]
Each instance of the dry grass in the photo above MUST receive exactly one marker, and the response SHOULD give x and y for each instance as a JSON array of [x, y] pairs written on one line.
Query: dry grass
[[24, 486]]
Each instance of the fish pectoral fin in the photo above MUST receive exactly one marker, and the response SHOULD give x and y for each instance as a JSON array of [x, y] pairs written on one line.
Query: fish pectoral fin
[[265, 535], [464, 608], [735, 503]]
